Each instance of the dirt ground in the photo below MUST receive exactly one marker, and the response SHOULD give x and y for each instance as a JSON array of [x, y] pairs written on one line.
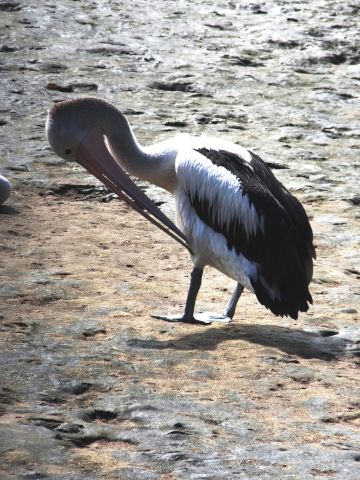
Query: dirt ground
[[93, 387], [81, 279]]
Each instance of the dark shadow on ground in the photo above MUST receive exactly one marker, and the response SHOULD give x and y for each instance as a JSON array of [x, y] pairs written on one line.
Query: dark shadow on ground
[[322, 344], [6, 210]]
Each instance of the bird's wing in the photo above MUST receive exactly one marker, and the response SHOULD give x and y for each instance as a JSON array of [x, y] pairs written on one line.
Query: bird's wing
[[239, 197]]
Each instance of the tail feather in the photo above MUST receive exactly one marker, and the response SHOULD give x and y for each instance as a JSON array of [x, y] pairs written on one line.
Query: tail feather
[[285, 293]]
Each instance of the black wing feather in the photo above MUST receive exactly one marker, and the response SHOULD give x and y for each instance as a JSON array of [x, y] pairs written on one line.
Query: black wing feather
[[284, 249]]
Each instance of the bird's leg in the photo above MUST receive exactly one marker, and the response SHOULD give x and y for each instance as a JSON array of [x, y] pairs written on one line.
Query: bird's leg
[[188, 317], [195, 284], [208, 317], [204, 317], [230, 309]]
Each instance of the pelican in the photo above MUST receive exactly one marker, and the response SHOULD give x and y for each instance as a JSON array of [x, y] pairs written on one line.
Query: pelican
[[231, 211], [5, 189]]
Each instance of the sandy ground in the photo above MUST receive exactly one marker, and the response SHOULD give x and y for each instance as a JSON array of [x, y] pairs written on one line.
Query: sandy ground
[[92, 387]]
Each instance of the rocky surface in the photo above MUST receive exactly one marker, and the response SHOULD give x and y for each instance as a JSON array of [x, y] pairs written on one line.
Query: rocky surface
[[92, 387]]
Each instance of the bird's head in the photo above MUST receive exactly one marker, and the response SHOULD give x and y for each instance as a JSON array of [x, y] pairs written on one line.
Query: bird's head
[[70, 124], [76, 130]]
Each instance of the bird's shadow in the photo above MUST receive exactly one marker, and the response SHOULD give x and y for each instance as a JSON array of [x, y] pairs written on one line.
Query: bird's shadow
[[321, 344]]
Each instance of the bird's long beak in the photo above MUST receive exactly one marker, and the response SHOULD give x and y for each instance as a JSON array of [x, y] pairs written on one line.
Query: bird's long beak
[[94, 156]]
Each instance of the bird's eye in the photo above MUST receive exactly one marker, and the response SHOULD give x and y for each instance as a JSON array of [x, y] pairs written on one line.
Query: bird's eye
[[68, 151]]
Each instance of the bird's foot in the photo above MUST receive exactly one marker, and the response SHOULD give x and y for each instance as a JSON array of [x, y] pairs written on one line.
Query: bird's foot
[[210, 317], [204, 318], [180, 319]]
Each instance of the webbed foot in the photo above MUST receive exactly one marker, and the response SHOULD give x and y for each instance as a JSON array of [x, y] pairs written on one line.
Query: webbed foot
[[210, 317], [205, 318]]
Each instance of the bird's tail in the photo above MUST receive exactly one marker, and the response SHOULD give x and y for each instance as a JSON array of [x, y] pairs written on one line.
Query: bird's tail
[[287, 293]]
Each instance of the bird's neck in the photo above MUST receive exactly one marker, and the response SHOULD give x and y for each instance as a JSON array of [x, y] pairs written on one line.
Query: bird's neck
[[155, 164]]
